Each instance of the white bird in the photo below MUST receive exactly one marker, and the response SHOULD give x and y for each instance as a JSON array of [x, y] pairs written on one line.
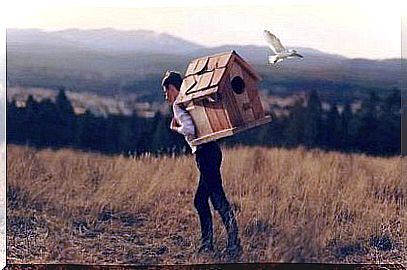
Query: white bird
[[275, 45]]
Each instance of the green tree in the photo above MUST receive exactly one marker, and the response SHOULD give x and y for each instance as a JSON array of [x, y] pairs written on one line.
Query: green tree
[[367, 139], [66, 119], [294, 133], [332, 128], [31, 128], [48, 122], [345, 132], [388, 131], [313, 120], [14, 123]]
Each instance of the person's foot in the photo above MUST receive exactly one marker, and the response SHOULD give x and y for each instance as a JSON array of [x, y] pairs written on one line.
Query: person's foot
[[206, 248], [233, 251]]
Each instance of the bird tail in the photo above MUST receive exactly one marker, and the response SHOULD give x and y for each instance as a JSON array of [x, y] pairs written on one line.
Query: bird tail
[[273, 59]]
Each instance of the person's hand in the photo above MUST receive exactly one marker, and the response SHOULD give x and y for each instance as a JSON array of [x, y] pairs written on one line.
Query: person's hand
[[174, 124]]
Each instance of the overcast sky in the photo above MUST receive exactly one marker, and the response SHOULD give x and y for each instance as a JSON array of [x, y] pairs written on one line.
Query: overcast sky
[[350, 30]]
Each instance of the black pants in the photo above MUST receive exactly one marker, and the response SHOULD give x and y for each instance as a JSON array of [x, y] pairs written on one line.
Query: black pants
[[209, 158]]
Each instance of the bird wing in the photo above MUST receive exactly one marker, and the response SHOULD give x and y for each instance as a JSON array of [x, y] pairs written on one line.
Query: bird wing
[[295, 55], [273, 42]]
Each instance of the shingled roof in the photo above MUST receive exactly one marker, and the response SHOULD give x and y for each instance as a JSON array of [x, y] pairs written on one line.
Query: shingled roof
[[203, 75]]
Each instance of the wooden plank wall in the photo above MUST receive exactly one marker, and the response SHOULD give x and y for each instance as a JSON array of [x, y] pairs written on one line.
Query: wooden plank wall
[[252, 91], [201, 121], [216, 115], [230, 102]]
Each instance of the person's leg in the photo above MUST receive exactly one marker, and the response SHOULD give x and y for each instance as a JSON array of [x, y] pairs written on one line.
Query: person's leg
[[221, 204], [218, 198], [201, 203]]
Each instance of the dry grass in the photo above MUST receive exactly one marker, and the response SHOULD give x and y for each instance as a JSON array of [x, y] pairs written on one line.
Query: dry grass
[[291, 206]]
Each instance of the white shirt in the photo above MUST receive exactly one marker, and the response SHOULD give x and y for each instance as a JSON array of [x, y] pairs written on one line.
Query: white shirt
[[186, 125]]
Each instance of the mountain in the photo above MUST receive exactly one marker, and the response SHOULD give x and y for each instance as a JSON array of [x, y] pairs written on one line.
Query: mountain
[[106, 40], [108, 61]]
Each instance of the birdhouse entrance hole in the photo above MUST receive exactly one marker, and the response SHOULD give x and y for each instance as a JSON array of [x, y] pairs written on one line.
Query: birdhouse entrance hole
[[238, 85]]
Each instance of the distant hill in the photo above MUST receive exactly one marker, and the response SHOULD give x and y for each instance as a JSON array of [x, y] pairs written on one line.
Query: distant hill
[[108, 61], [106, 40]]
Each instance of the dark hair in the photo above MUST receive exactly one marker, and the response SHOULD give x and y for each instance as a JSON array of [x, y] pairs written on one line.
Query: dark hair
[[172, 77]]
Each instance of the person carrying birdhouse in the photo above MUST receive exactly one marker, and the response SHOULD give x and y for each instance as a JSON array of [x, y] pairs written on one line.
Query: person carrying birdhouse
[[208, 158]]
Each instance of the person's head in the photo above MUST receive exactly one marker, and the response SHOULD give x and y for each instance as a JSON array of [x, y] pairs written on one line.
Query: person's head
[[171, 84]]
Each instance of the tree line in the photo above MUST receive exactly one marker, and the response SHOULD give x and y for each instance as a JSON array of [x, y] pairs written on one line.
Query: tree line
[[373, 129]]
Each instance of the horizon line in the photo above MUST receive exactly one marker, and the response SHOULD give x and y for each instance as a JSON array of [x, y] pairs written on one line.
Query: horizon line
[[195, 43]]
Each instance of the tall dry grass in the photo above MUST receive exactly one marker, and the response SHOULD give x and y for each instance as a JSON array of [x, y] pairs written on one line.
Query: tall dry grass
[[291, 206]]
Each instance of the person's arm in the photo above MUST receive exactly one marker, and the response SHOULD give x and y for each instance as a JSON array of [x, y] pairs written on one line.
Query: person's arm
[[182, 122]]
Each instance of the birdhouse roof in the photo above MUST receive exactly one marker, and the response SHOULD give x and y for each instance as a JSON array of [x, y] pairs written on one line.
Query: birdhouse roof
[[204, 74]]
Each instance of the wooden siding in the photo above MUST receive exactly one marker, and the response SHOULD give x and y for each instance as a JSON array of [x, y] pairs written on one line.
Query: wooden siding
[[200, 118], [254, 97], [229, 102], [242, 100], [216, 115], [230, 131]]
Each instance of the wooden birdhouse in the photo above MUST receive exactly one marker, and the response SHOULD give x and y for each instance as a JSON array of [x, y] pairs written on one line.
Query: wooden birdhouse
[[220, 93]]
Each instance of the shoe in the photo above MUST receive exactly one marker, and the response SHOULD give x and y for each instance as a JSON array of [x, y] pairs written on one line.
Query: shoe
[[233, 251], [206, 248]]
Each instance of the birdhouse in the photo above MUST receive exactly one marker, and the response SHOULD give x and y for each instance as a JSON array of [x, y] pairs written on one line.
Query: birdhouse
[[220, 93]]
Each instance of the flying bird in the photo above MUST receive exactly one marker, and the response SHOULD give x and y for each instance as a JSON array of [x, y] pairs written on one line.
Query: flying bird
[[275, 45]]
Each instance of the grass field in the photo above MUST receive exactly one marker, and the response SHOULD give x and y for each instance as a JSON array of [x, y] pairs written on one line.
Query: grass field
[[291, 206]]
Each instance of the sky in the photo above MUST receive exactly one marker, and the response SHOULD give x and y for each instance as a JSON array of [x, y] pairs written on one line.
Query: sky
[[351, 28]]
